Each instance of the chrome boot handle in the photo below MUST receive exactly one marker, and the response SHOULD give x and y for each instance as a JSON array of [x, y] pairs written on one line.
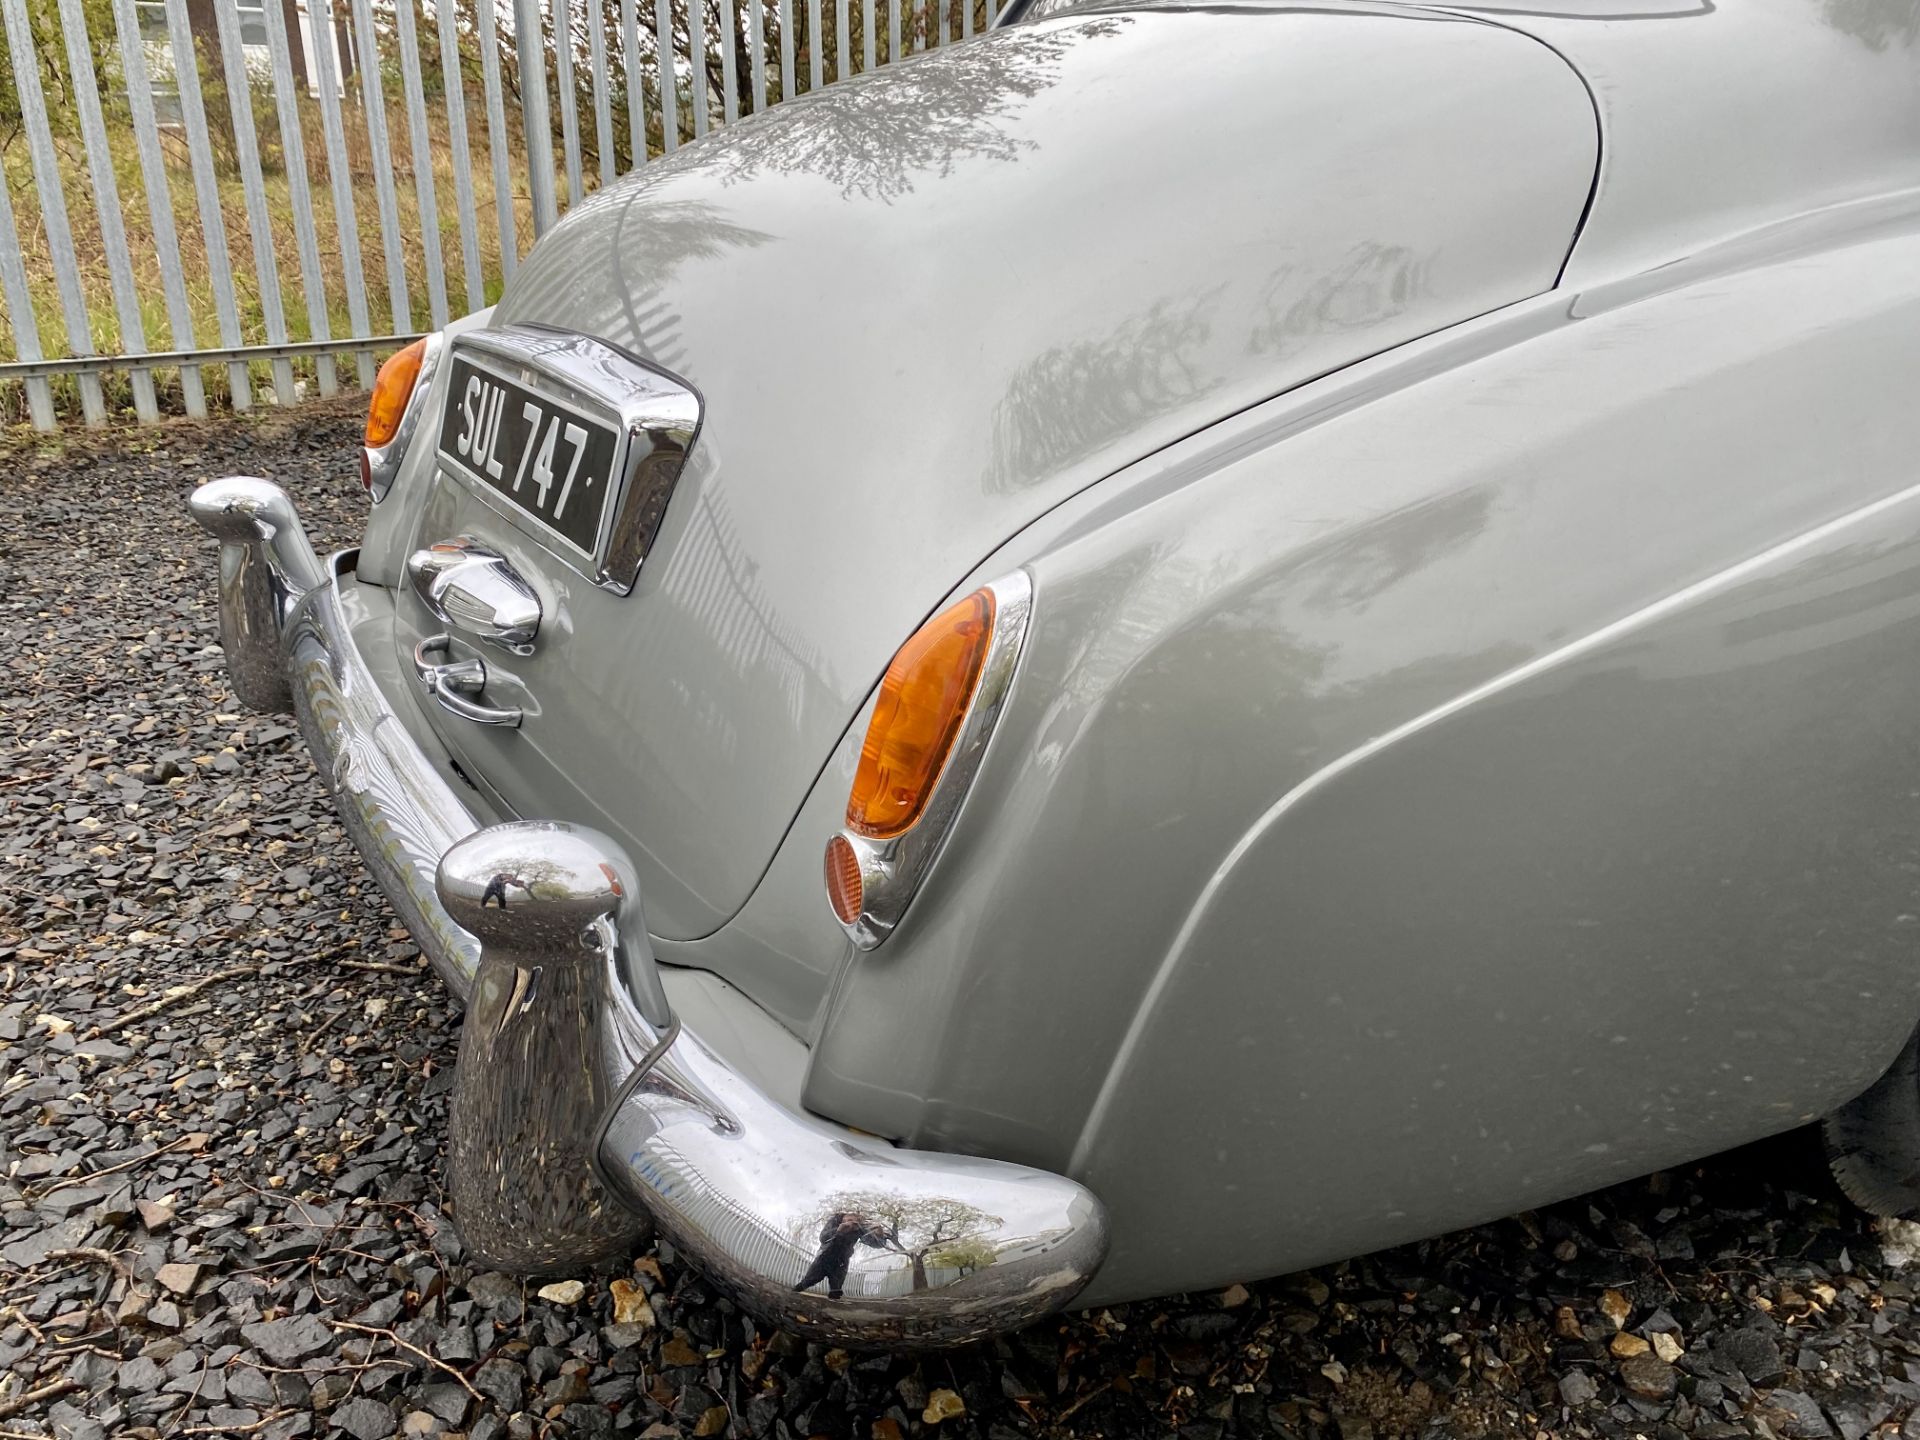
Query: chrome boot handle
[[471, 589], [452, 684]]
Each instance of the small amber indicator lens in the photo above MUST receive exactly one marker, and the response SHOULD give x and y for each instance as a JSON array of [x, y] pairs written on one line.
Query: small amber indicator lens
[[843, 879], [392, 388], [923, 702]]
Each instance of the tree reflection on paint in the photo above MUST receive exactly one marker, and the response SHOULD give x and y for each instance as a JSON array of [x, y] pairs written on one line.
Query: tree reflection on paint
[[1071, 399], [1877, 24], [1372, 284], [873, 137]]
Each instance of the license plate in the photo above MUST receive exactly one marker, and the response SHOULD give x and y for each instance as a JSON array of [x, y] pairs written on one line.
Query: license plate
[[551, 462]]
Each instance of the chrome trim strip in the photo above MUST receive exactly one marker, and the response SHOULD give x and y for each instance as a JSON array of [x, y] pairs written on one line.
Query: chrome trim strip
[[382, 463], [892, 871], [818, 1228], [656, 414]]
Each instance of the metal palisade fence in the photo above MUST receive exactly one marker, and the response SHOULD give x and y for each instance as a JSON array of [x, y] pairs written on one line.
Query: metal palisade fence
[[227, 202]]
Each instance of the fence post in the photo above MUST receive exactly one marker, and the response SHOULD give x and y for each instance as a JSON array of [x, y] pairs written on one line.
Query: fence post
[[636, 87], [213, 223], [373, 108], [663, 58], [697, 56], [423, 188], [53, 201], [602, 105], [26, 328], [567, 96], [786, 49], [530, 46], [293, 152], [453, 80], [226, 18], [106, 192], [757, 44], [340, 179], [497, 138], [729, 62]]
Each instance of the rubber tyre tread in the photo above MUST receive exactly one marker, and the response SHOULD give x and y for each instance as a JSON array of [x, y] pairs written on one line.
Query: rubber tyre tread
[[1873, 1141]]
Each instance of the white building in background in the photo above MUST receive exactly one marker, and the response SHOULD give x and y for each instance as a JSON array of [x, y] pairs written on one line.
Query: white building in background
[[307, 22]]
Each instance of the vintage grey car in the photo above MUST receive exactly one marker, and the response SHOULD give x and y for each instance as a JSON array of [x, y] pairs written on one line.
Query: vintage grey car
[[1182, 640]]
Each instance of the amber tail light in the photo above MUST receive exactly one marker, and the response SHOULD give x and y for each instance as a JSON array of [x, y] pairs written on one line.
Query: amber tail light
[[934, 712], [391, 414], [923, 699], [392, 388]]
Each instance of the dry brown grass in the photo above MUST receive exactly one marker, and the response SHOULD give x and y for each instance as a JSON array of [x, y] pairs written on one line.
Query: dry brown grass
[[363, 166], [83, 215]]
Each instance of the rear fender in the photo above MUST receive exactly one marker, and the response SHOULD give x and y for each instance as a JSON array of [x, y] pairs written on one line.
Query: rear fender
[[1496, 789]]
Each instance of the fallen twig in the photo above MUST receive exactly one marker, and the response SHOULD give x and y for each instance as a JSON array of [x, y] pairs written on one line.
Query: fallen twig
[[1098, 1390], [85, 1252], [181, 1413], [434, 1361], [173, 997], [36, 1282], [229, 1429], [306, 1041], [327, 954], [52, 1391], [336, 1367], [171, 1145]]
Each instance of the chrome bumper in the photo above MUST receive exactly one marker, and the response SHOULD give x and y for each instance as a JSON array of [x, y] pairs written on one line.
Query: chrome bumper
[[582, 1105]]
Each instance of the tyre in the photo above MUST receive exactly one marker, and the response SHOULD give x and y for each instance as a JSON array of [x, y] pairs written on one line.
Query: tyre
[[1873, 1142]]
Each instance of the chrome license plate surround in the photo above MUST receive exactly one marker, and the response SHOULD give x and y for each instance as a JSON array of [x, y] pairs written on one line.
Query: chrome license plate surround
[[555, 465], [654, 419]]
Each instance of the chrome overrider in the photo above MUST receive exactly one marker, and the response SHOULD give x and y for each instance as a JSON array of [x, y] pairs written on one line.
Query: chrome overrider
[[583, 1108]]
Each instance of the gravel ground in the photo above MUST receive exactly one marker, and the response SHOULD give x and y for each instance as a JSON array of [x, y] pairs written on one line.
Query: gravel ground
[[223, 1092]]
